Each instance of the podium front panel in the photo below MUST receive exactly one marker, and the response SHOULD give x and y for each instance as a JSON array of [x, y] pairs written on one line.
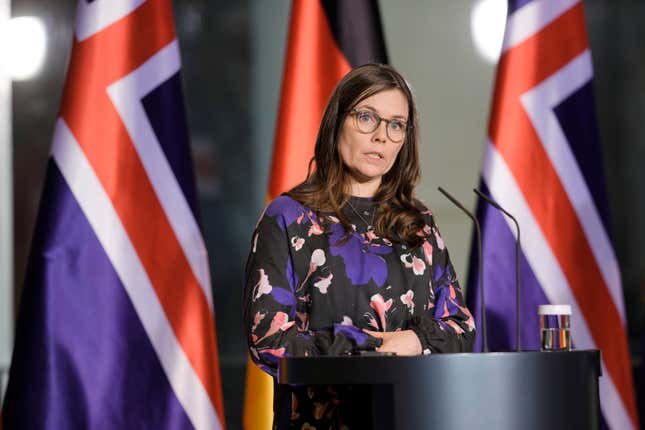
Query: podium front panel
[[509, 390]]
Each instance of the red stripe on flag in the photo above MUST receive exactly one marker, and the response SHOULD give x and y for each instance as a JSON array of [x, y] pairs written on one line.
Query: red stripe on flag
[[98, 128], [313, 67], [512, 132]]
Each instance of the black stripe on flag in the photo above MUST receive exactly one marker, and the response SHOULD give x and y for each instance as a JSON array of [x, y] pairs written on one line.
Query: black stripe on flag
[[356, 26]]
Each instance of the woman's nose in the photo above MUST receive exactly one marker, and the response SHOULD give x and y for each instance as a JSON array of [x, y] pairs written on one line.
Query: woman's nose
[[380, 133]]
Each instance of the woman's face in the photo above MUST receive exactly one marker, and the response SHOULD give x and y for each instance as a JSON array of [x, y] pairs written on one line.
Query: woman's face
[[368, 156]]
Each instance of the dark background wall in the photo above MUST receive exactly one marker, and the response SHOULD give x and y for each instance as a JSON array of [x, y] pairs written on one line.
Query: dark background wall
[[231, 79]]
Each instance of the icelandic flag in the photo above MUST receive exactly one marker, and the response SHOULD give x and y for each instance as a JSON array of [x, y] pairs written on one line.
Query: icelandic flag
[[542, 162], [116, 326]]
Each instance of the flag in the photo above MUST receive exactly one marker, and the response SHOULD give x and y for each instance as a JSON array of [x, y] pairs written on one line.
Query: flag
[[116, 325], [326, 40], [542, 162]]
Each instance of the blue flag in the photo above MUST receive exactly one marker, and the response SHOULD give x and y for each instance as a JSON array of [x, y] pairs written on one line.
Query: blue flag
[[116, 325], [543, 163]]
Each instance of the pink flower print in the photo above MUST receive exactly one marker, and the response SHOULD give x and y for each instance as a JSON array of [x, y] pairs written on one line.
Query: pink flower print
[[418, 266], [412, 262], [324, 283], [437, 236], [263, 286], [371, 321], [380, 306], [425, 231], [300, 217], [371, 235], [254, 338], [315, 228], [297, 242], [347, 321], [317, 260], [407, 300], [470, 322], [280, 322], [427, 252], [455, 327], [257, 319]]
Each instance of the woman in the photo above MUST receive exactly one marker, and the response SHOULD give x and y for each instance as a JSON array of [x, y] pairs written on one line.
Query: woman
[[349, 260]]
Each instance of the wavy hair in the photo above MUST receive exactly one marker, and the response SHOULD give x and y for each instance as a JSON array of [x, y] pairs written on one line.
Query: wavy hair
[[327, 186]]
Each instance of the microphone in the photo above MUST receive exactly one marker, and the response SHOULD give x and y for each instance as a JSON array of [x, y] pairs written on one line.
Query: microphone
[[481, 262], [496, 205]]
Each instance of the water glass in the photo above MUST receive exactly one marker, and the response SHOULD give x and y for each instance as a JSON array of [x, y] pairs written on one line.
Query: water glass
[[555, 327]]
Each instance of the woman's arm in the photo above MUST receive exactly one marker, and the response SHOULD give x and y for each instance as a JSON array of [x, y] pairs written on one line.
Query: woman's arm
[[447, 325], [276, 299]]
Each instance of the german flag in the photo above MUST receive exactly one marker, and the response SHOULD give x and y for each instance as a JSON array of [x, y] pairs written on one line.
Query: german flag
[[326, 40]]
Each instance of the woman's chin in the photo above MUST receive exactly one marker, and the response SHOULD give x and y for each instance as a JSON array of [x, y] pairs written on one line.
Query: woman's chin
[[367, 176]]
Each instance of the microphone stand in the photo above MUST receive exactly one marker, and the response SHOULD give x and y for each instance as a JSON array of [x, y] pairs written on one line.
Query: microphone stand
[[517, 266], [481, 262]]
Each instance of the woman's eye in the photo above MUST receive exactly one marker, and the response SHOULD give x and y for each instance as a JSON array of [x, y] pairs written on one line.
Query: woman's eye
[[396, 125], [365, 117]]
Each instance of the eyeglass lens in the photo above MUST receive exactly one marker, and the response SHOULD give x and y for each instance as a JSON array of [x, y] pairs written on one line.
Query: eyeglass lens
[[368, 121]]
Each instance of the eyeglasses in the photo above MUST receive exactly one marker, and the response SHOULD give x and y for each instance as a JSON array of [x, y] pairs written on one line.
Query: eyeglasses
[[367, 121]]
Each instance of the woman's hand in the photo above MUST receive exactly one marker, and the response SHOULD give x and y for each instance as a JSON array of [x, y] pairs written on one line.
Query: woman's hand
[[403, 342]]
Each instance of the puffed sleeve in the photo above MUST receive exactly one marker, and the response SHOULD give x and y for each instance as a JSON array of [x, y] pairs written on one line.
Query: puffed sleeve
[[275, 295], [446, 325]]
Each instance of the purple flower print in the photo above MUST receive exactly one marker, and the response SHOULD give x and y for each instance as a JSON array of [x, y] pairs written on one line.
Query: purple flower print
[[360, 266], [288, 210]]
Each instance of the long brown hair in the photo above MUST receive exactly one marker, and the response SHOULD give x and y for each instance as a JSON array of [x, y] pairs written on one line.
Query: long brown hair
[[327, 187]]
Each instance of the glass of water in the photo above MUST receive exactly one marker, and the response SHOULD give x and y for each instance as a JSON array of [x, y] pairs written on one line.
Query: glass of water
[[555, 327]]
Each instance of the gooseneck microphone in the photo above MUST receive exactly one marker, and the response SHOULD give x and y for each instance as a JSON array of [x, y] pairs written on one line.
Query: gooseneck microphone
[[496, 205], [481, 262]]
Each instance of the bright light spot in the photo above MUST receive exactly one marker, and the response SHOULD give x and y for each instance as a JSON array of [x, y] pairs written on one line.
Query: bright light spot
[[487, 22], [23, 42]]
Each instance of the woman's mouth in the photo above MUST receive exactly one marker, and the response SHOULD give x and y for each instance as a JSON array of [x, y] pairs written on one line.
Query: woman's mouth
[[374, 155]]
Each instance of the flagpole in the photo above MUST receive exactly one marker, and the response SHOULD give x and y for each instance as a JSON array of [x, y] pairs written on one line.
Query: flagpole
[[6, 217]]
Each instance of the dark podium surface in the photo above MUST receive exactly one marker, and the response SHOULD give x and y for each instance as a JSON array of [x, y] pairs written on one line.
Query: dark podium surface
[[498, 390]]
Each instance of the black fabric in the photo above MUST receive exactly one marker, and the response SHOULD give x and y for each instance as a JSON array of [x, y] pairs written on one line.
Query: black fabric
[[308, 293], [356, 26]]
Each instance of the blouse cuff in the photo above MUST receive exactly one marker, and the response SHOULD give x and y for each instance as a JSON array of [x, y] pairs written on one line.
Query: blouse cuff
[[361, 341], [425, 344], [433, 338]]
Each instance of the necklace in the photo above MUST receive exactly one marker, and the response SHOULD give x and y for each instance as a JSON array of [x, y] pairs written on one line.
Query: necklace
[[369, 225]]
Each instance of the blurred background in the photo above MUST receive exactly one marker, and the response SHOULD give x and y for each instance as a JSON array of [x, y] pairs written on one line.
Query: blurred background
[[233, 55]]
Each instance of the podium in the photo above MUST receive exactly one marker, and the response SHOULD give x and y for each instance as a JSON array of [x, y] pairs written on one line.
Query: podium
[[499, 390]]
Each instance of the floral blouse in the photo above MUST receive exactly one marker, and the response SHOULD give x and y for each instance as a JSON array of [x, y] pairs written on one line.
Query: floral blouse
[[311, 293]]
